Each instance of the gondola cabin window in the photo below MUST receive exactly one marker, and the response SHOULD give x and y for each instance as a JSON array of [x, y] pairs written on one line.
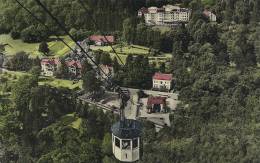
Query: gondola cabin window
[[126, 144], [117, 142], [135, 143]]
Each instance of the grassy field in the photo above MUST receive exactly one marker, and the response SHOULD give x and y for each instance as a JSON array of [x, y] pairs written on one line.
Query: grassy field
[[131, 49], [60, 83], [70, 120], [163, 29], [57, 48], [13, 76], [126, 50]]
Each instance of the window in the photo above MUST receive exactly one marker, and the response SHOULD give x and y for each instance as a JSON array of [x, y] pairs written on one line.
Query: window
[[126, 144], [117, 142], [135, 143]]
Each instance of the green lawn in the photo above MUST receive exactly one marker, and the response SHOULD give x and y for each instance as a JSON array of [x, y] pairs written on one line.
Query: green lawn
[[57, 48], [131, 49], [76, 124], [163, 29], [12, 76], [60, 83], [71, 120], [122, 53], [17, 45]]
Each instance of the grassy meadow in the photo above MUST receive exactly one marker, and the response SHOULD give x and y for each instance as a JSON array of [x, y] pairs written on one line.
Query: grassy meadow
[[57, 48]]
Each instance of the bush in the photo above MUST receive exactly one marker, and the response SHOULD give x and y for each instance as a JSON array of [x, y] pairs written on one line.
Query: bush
[[15, 34], [44, 48], [4, 29]]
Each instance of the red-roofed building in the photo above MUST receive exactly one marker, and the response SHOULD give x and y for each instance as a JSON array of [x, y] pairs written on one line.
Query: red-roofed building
[[74, 67], [102, 40], [162, 81], [156, 104], [49, 66]]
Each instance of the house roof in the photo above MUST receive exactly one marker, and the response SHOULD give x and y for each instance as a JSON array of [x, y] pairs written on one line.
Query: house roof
[[143, 10], [100, 38], [207, 13], [156, 100], [74, 63], [161, 76], [52, 61]]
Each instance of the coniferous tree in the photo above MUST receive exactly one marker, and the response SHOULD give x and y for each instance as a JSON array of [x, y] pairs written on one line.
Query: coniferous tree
[[44, 48]]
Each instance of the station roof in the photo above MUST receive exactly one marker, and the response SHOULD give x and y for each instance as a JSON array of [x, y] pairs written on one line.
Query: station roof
[[156, 100]]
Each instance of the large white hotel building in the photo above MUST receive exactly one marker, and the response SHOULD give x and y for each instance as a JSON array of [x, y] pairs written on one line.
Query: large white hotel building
[[167, 15]]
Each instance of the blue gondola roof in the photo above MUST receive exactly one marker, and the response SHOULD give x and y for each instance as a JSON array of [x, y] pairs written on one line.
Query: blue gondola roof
[[127, 129]]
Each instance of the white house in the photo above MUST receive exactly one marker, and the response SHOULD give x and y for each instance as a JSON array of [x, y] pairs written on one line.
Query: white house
[[106, 71], [74, 67], [162, 81], [212, 17], [167, 15], [49, 66]]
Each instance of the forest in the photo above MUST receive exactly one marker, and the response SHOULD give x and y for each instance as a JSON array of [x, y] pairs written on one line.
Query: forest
[[216, 71]]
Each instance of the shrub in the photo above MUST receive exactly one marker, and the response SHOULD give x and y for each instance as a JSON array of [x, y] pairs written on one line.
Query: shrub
[[15, 34], [4, 29]]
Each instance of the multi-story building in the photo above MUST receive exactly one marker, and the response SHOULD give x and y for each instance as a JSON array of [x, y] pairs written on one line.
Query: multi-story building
[[49, 66], [167, 15], [74, 67], [162, 81]]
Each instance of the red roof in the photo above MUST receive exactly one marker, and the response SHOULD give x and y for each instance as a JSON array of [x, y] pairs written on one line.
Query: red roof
[[143, 10], [99, 38], [156, 100], [161, 76], [50, 61], [74, 63], [207, 13]]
